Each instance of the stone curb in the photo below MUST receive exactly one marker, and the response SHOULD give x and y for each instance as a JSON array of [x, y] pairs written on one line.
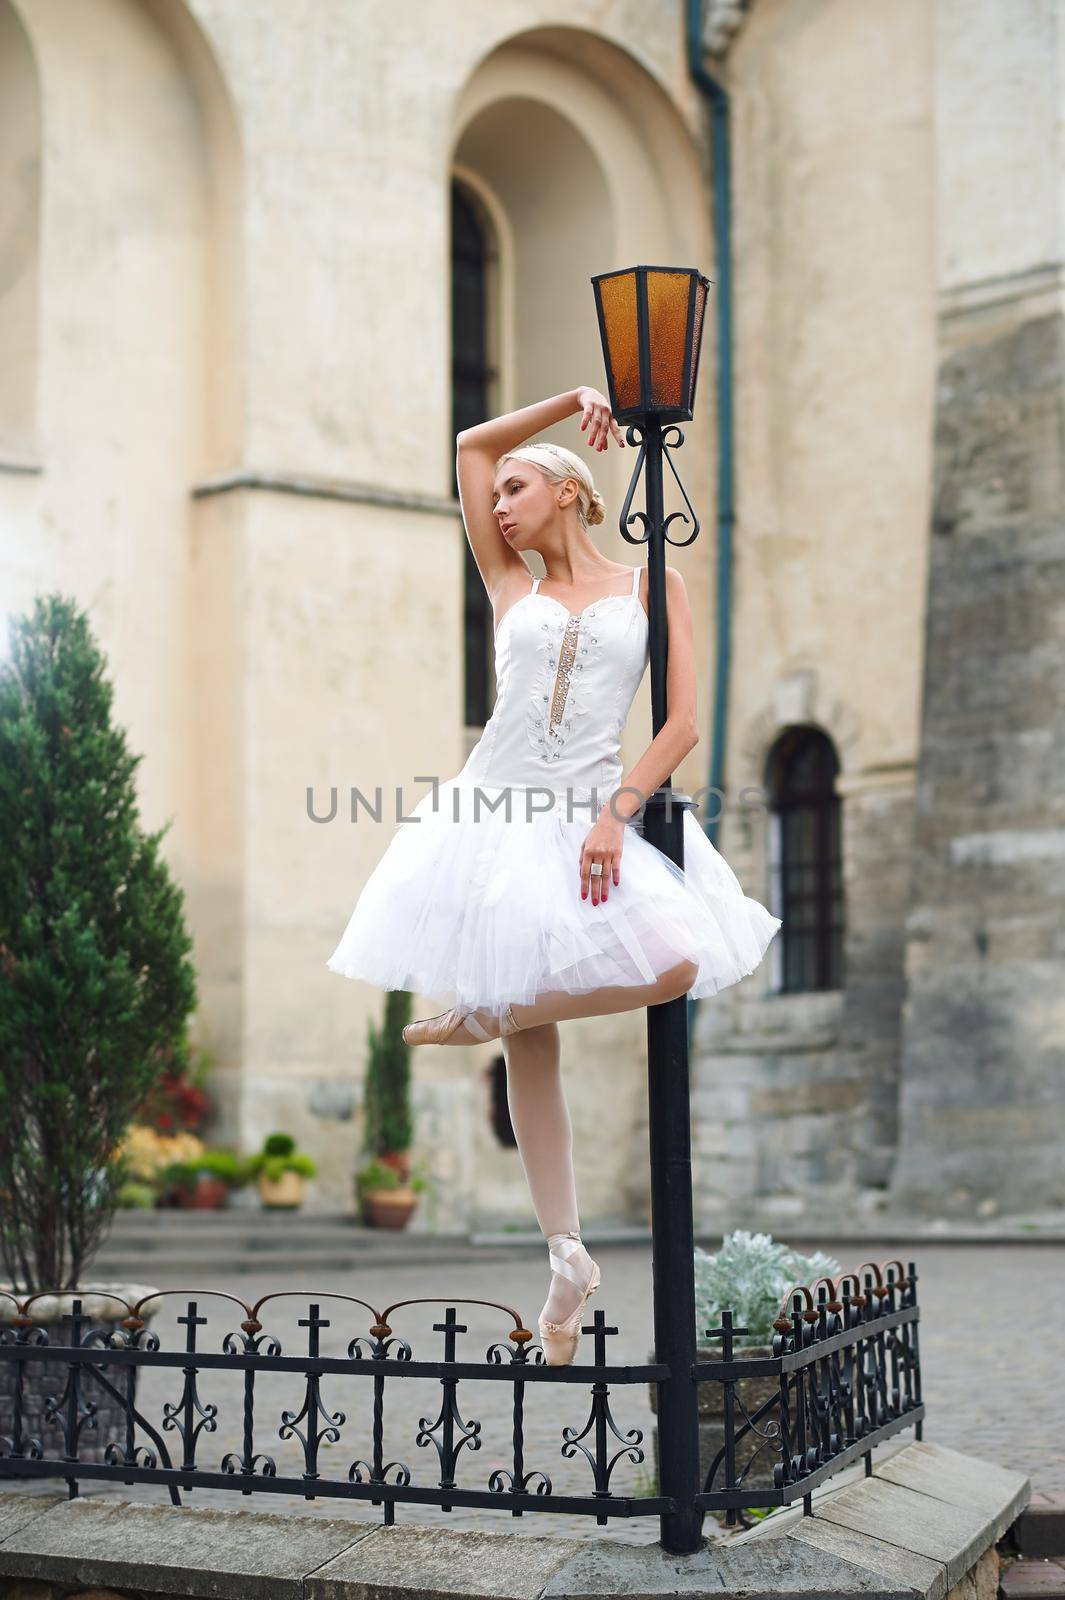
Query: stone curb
[[807, 1232], [921, 1523]]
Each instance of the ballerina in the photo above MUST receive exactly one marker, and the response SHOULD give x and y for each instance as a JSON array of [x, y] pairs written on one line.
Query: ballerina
[[510, 894]]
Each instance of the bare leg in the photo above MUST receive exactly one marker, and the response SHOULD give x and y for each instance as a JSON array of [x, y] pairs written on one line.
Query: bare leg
[[544, 1132]]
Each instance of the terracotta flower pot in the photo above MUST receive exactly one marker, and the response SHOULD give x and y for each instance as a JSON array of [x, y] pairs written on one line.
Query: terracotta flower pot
[[209, 1194], [389, 1208], [281, 1194]]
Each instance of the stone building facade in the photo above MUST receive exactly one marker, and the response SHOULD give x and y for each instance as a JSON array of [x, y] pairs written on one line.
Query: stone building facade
[[258, 263]]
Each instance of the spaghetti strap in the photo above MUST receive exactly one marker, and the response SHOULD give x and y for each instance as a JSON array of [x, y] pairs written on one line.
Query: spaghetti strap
[[535, 586], [636, 579]]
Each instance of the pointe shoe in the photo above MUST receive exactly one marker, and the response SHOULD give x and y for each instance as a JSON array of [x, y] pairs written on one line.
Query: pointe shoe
[[560, 1339], [438, 1029]]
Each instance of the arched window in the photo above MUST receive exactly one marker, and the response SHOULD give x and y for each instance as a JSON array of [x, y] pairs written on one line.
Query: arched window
[[473, 379], [805, 859]]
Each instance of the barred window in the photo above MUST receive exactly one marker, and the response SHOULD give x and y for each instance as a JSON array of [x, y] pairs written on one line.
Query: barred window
[[806, 878]]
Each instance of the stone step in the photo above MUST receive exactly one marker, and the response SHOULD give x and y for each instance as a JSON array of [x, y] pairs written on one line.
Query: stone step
[[258, 1234], [165, 1243], [260, 1253], [801, 1235], [163, 1270], [161, 1232], [171, 1220], [1033, 1580], [1040, 1528]]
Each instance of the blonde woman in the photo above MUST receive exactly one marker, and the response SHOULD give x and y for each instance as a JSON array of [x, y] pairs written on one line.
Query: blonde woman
[[526, 890]]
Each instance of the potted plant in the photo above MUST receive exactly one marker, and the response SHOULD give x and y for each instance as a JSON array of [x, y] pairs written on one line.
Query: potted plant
[[203, 1183], [150, 1159], [386, 1191], [96, 987], [750, 1274], [384, 1200], [280, 1169]]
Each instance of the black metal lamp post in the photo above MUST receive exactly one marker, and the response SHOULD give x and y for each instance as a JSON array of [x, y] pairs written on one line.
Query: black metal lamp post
[[650, 323]]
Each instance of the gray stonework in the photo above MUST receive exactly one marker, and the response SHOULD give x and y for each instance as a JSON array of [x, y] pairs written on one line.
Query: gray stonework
[[877, 849], [982, 1103], [794, 1097], [924, 1524], [934, 1080]]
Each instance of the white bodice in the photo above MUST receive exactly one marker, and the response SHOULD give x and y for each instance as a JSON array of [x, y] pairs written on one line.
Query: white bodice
[[564, 686]]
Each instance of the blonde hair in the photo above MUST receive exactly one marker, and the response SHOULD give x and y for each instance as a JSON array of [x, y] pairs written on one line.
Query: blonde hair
[[557, 464]]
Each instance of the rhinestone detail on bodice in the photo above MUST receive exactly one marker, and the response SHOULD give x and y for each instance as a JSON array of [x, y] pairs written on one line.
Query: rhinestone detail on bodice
[[565, 682], [567, 653]]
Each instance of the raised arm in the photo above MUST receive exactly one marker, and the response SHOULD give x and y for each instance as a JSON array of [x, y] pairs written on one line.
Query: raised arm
[[479, 448]]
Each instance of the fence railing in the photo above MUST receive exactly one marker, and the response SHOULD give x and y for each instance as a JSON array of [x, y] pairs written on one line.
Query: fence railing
[[845, 1365]]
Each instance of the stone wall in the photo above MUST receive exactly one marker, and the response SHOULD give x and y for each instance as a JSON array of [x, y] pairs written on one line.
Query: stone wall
[[983, 1101]]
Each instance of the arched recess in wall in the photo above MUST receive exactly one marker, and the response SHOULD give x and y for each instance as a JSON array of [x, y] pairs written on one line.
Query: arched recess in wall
[[20, 229], [222, 173], [586, 164], [139, 350], [142, 189]]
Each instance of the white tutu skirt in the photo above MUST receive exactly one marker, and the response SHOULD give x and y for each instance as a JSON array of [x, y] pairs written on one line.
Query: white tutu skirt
[[487, 909]]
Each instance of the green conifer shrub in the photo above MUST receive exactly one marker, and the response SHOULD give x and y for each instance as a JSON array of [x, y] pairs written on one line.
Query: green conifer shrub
[[96, 984], [388, 1125]]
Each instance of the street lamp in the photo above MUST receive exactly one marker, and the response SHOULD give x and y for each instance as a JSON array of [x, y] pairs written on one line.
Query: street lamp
[[650, 323], [651, 328]]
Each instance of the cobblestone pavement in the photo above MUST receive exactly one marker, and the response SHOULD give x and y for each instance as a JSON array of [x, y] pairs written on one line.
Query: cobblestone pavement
[[992, 1377]]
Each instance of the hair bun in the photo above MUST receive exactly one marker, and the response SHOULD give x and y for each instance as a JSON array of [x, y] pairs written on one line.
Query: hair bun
[[597, 508]]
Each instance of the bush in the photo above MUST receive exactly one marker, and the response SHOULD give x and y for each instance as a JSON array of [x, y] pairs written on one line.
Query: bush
[[278, 1156], [388, 1124], [376, 1175], [96, 985], [222, 1164], [179, 1102], [279, 1144], [218, 1163], [146, 1154], [751, 1274]]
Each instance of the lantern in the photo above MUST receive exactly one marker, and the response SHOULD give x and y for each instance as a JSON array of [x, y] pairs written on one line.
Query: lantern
[[651, 325]]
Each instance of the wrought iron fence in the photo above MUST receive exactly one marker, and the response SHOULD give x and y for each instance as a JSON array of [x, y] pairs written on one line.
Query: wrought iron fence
[[844, 1359], [847, 1367]]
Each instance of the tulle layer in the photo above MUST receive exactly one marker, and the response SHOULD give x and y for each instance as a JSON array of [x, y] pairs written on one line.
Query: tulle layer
[[487, 909]]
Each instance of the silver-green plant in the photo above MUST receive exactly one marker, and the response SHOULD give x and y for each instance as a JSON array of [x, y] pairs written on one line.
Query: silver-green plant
[[750, 1275]]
